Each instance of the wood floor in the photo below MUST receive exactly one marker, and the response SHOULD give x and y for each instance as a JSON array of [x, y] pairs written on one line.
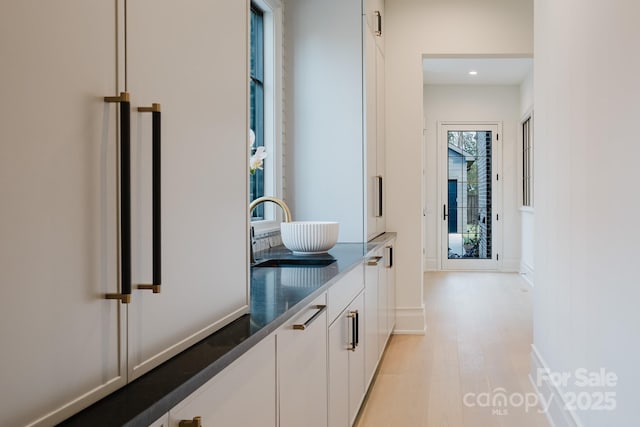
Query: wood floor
[[476, 348]]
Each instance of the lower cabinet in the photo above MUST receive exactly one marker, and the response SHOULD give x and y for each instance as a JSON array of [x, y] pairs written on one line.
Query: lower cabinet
[[315, 369], [346, 364], [243, 394], [302, 367], [380, 304]]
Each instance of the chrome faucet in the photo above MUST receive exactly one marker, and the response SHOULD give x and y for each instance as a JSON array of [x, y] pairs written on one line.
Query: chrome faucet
[[253, 205]]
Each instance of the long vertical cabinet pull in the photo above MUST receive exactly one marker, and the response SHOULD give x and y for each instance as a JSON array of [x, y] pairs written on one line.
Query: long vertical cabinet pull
[[379, 194], [125, 197], [355, 338], [156, 190]]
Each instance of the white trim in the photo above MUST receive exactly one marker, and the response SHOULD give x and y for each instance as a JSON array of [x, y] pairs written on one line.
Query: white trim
[[526, 209], [557, 414], [519, 166], [430, 264], [410, 321], [527, 273], [273, 121], [510, 265]]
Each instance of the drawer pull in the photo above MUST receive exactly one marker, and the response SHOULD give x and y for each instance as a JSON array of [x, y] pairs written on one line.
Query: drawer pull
[[195, 422], [373, 261], [305, 325]]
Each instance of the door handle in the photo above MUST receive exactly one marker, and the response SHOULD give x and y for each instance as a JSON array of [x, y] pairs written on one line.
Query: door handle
[[125, 197], [445, 215], [156, 132]]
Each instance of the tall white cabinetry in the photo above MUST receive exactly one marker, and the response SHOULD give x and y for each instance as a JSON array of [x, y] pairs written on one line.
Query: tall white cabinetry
[[335, 108], [374, 117], [60, 241]]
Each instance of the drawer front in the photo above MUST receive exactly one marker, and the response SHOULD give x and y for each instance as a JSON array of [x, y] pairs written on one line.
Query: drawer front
[[341, 293]]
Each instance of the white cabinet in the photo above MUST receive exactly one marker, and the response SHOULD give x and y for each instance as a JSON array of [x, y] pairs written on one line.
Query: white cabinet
[[59, 235], [346, 364], [333, 89], [243, 394], [379, 305], [374, 20], [302, 367], [374, 136], [390, 267], [174, 52]]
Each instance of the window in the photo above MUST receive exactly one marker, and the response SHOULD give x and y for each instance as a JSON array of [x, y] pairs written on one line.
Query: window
[[527, 163], [265, 107], [256, 104]]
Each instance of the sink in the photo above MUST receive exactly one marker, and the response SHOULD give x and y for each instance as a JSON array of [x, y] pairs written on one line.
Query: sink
[[295, 262], [309, 237]]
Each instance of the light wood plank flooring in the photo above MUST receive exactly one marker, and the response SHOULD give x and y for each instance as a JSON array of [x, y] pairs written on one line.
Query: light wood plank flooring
[[477, 342]]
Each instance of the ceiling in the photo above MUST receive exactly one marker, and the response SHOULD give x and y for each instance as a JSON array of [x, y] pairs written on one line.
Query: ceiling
[[491, 71]]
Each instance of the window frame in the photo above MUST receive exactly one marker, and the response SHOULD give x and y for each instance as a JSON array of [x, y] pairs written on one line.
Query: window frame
[[272, 83], [526, 164]]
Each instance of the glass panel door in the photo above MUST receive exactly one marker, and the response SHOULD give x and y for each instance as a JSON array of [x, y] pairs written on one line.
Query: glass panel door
[[468, 199]]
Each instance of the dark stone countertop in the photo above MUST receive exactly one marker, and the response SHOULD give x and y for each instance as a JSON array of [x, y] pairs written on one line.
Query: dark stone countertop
[[277, 294]]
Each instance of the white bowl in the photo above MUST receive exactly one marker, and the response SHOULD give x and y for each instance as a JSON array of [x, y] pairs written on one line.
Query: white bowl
[[309, 237]]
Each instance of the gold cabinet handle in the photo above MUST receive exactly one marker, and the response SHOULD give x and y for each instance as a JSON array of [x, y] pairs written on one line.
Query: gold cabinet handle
[[195, 422], [305, 325], [373, 261], [157, 192], [125, 197]]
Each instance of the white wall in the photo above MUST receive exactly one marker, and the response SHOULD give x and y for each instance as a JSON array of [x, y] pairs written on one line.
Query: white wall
[[414, 28], [587, 290], [527, 216], [323, 113], [474, 103]]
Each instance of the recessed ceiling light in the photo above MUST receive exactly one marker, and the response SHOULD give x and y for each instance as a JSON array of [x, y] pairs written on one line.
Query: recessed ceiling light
[[473, 73]]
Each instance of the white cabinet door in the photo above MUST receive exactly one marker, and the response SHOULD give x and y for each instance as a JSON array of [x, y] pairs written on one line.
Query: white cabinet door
[[302, 368], [371, 128], [380, 137], [374, 136], [391, 285], [339, 346], [62, 348], [371, 326], [192, 59], [243, 394], [346, 364], [383, 304], [356, 360]]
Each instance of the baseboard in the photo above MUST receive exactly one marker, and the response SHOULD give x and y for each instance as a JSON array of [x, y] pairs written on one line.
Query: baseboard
[[527, 272], [409, 321], [431, 264], [557, 414], [510, 265]]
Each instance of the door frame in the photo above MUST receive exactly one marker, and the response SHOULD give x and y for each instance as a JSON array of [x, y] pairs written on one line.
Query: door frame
[[496, 185]]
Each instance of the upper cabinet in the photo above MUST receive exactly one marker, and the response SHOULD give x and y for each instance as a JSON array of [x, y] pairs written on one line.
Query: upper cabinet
[[334, 116], [374, 20], [77, 192]]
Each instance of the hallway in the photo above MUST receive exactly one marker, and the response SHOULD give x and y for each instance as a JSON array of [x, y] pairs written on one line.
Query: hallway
[[476, 347]]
